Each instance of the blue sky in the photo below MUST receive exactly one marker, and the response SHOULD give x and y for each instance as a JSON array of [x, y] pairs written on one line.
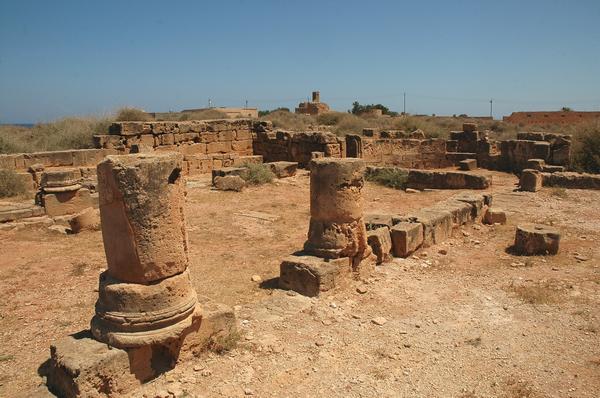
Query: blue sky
[[60, 58]]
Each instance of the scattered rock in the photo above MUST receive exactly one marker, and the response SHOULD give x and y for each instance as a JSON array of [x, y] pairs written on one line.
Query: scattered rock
[[581, 257], [410, 190], [361, 289], [443, 252], [256, 278], [380, 321]]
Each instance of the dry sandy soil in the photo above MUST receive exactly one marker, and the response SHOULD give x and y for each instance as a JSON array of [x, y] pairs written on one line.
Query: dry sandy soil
[[473, 322]]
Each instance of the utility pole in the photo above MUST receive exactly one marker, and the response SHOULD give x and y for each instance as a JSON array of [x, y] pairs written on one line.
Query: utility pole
[[404, 112], [491, 108]]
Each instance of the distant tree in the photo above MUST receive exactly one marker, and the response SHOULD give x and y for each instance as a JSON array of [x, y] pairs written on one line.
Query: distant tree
[[566, 109], [266, 112], [357, 109]]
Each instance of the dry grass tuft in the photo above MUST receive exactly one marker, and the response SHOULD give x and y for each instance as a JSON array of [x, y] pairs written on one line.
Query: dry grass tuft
[[130, 114], [11, 184], [222, 344]]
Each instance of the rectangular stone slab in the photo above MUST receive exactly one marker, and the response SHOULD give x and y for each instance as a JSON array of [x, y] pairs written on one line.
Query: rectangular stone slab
[[406, 238], [381, 243]]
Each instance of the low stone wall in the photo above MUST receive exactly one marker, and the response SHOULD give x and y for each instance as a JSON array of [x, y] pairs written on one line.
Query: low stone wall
[[297, 147], [571, 180], [554, 149], [71, 158], [430, 179]]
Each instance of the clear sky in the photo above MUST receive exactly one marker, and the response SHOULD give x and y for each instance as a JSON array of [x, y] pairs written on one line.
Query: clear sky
[[60, 58]]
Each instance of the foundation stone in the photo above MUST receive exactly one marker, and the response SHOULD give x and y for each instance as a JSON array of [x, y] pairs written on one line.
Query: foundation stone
[[535, 239]]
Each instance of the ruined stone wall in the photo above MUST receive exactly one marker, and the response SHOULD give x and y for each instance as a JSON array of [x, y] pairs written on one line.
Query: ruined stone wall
[[405, 152], [206, 144], [558, 117], [554, 149], [297, 146]]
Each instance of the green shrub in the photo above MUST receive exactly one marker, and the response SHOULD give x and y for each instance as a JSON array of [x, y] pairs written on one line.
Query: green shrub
[[257, 174], [393, 178], [586, 147], [129, 114], [11, 184]]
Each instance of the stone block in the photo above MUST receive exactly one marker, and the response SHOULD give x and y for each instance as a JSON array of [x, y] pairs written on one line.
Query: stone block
[[250, 159], [87, 219], [310, 276], [218, 147], [468, 164], [469, 127], [535, 239], [406, 238], [69, 202], [536, 164], [531, 180], [461, 211], [494, 216], [437, 225], [553, 169], [243, 145], [229, 183], [381, 243], [283, 169], [477, 202], [228, 171], [376, 221]]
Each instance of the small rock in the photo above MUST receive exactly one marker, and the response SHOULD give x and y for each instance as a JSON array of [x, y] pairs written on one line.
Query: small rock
[[256, 278], [333, 305], [320, 343], [411, 190], [291, 293], [361, 289], [327, 322], [443, 252], [248, 391], [380, 321], [206, 372], [197, 368], [581, 257], [465, 233]]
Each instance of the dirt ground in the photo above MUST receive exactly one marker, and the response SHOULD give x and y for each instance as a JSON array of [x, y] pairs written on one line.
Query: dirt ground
[[473, 322]]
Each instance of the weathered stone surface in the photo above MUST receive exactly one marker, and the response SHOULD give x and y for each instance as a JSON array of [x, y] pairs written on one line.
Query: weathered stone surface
[[381, 243], [437, 225], [80, 366], [494, 216], [16, 211], [477, 202], [531, 180], [228, 171], [423, 179], [406, 238], [469, 127], [535, 239], [68, 202], [60, 179], [283, 169], [135, 315], [462, 212], [87, 219], [141, 208], [571, 180], [536, 164], [375, 221], [229, 183], [336, 227], [468, 164], [309, 275]]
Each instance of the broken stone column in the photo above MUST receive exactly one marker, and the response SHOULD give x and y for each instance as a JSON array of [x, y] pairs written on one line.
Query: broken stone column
[[61, 193], [337, 228], [145, 296], [337, 237]]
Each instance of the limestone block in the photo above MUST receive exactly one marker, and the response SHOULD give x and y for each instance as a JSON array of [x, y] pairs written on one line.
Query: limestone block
[[251, 159], [229, 183], [141, 208], [381, 243], [437, 225], [375, 221], [283, 169], [477, 202], [242, 134], [406, 238], [69, 202], [461, 211], [242, 145], [228, 171], [309, 275], [469, 127], [87, 219], [218, 147], [536, 164], [531, 180], [535, 239], [60, 178], [553, 169], [468, 164], [495, 216]]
